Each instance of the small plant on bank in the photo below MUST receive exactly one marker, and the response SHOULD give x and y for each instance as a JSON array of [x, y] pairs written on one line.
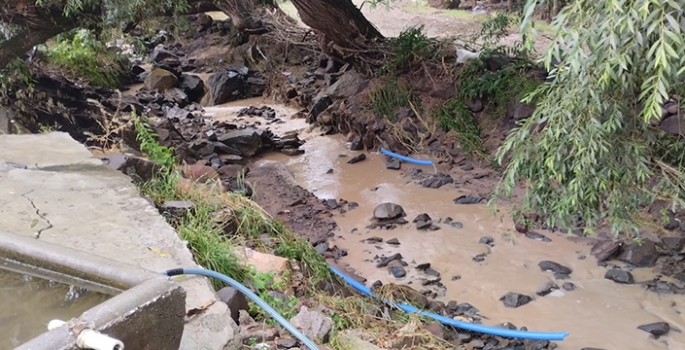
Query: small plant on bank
[[410, 47], [388, 99], [149, 145]]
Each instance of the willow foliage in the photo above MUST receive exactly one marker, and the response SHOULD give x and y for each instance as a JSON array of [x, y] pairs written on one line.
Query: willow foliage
[[589, 153]]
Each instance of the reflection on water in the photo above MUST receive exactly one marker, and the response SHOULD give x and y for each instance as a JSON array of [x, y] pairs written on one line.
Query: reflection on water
[[28, 303], [598, 313]]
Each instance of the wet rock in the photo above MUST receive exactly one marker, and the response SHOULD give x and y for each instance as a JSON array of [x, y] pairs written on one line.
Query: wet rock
[[521, 227], [674, 243], [514, 300], [656, 329], [320, 105], [547, 289], [331, 204], [423, 222], [466, 167], [479, 257], [640, 255], [398, 271], [387, 260], [431, 272], [235, 300], [486, 240], [176, 208], [348, 85], [388, 211], [536, 344], [314, 325], [468, 200], [352, 205], [226, 86], [393, 163], [393, 241], [253, 331], [568, 286], [139, 169], [423, 267], [619, 276], [286, 343], [373, 240], [160, 80], [356, 144], [605, 250], [466, 309], [437, 181], [245, 142], [159, 54], [357, 159], [537, 236], [555, 267], [193, 86]]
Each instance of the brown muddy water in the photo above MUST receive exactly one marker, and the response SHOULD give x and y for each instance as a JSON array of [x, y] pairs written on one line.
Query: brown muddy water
[[28, 303], [597, 313]]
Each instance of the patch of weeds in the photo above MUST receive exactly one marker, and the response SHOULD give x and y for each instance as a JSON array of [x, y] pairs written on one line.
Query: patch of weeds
[[265, 285], [149, 145], [86, 57], [387, 100], [292, 247], [455, 116], [410, 47]]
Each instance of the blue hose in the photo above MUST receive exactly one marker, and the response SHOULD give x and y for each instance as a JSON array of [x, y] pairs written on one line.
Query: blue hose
[[406, 159], [502, 332], [250, 294]]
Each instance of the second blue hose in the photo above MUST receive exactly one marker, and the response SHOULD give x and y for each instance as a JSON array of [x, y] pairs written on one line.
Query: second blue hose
[[478, 328], [406, 159]]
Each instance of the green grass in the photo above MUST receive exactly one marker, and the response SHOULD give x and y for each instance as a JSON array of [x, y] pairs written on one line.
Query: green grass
[[388, 99]]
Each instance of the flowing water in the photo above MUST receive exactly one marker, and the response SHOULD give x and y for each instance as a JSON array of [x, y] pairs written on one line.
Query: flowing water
[[28, 303], [598, 313]]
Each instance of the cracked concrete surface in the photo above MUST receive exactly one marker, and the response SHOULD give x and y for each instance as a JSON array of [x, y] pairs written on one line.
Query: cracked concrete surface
[[67, 197]]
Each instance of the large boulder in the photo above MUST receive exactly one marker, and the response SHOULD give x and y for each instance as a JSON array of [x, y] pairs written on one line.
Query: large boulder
[[161, 80], [246, 142], [350, 84], [388, 211], [193, 86], [226, 86]]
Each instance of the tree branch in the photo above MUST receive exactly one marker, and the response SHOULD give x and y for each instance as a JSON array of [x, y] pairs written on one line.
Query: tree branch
[[25, 40]]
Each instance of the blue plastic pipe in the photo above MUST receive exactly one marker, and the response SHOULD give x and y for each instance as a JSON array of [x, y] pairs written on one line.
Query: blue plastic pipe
[[502, 332], [250, 294], [406, 159]]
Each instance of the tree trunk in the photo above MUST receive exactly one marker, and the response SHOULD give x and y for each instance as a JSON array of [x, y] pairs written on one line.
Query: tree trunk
[[340, 21], [25, 40]]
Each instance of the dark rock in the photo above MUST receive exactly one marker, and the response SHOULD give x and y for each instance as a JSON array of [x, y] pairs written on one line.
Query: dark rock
[[640, 255], [605, 250], [320, 105], [422, 217], [656, 329], [673, 125], [431, 272], [376, 285], [393, 163], [388, 211], [348, 85], [159, 54], [466, 309], [514, 300], [523, 111], [672, 224], [521, 227], [456, 278], [467, 167], [437, 181], [357, 159], [247, 141], [176, 208], [468, 200], [486, 240], [554, 267], [547, 289], [393, 241], [536, 344], [255, 86], [674, 243], [619, 276], [537, 236], [387, 260], [139, 169], [356, 144], [479, 257], [561, 276], [160, 80], [423, 267], [398, 271], [193, 86], [235, 300], [352, 205], [373, 240], [322, 248], [423, 225], [226, 86], [286, 343], [568, 286], [330, 203]]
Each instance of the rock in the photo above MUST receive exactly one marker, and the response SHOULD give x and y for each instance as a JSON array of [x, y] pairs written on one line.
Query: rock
[[314, 325], [139, 169], [514, 300], [557, 268], [547, 289], [436, 330], [176, 208], [431, 272], [674, 243], [286, 343], [159, 54], [388, 211], [245, 142], [619, 276], [356, 144], [320, 105], [537, 236], [437, 181], [204, 21], [200, 172], [193, 86], [226, 86], [486, 240], [357, 159], [521, 227], [656, 329], [523, 111], [393, 241], [373, 240], [387, 260], [235, 300], [254, 332], [331, 204], [178, 96], [466, 309], [351, 341], [160, 80], [640, 255], [467, 200], [393, 163], [568, 286], [348, 85], [605, 250], [536, 344], [673, 125], [398, 271]]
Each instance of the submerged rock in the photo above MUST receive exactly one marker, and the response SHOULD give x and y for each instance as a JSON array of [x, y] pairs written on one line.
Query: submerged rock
[[388, 211], [620, 276], [656, 329], [514, 300], [554, 267], [468, 200], [357, 159], [437, 181], [640, 255], [398, 271], [537, 236]]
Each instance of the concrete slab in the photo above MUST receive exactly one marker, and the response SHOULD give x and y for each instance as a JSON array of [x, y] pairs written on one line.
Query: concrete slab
[[67, 197]]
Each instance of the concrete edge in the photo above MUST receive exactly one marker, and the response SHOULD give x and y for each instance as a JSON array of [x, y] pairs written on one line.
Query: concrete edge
[[111, 316], [76, 264]]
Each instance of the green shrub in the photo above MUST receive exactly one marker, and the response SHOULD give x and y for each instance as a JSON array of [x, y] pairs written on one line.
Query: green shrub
[[393, 95]]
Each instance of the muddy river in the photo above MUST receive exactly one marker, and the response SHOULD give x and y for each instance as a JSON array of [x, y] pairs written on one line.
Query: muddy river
[[596, 312]]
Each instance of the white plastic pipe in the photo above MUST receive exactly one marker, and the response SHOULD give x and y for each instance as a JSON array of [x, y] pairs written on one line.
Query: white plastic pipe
[[90, 339]]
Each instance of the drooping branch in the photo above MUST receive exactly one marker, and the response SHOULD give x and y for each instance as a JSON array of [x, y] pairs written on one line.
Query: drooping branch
[[26, 39]]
